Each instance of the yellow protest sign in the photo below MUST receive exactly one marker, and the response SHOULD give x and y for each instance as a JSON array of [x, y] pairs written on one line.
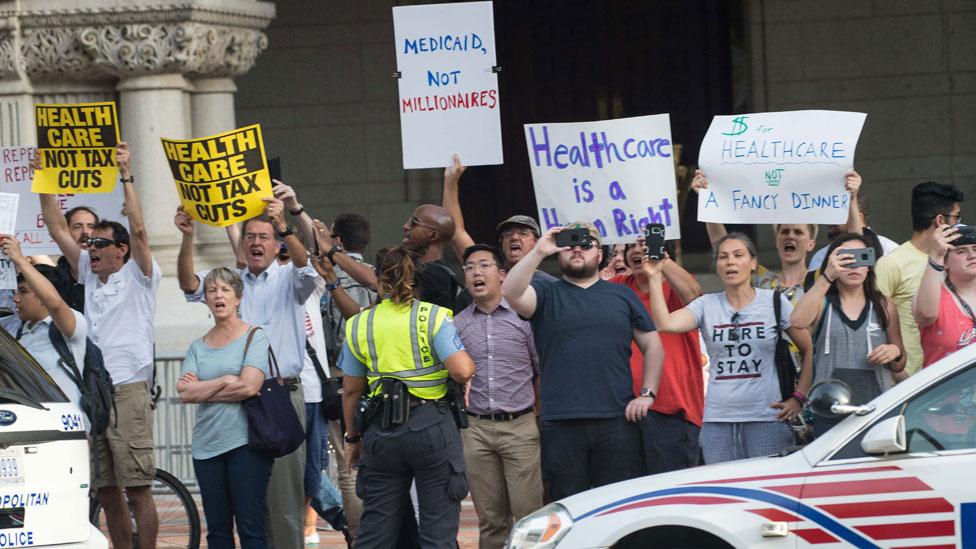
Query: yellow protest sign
[[76, 144], [222, 178]]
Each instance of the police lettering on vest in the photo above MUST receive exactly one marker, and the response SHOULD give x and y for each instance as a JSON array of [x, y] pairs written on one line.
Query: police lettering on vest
[[375, 339]]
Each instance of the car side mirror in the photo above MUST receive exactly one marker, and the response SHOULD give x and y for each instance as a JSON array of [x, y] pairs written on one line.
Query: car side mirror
[[886, 437], [832, 399]]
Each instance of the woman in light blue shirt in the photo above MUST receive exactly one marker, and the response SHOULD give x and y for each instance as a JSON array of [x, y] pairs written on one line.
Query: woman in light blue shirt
[[224, 367]]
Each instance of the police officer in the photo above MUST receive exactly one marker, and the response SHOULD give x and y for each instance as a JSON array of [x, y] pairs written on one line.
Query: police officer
[[402, 353]]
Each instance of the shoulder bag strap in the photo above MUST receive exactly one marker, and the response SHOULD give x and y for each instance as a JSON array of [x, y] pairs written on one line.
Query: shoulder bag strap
[[315, 361], [777, 305], [247, 345], [963, 302]]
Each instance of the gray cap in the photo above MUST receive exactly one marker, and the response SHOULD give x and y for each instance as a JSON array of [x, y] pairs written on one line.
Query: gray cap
[[519, 220]]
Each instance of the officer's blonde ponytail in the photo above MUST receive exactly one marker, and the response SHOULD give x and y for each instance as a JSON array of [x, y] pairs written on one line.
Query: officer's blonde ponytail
[[396, 270]]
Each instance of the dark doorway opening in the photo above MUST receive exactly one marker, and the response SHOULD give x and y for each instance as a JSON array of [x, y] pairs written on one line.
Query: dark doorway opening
[[577, 60]]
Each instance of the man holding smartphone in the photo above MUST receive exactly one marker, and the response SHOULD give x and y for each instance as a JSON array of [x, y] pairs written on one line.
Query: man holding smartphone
[[583, 328]]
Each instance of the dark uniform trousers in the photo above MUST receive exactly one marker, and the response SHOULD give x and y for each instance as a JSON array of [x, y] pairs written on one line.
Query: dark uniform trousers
[[426, 448]]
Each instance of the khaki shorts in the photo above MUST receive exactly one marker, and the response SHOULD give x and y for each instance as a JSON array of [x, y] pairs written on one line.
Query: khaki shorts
[[124, 453]]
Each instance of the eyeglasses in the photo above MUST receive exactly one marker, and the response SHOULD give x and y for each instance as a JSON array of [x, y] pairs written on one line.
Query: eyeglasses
[[481, 267], [734, 334], [524, 233], [98, 243], [416, 222], [958, 217]]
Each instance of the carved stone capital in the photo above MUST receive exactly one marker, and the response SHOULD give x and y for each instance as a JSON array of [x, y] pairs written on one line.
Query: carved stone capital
[[191, 38]]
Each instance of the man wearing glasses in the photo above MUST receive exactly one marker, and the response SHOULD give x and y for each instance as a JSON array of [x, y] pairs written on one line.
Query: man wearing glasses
[[583, 329], [900, 271], [501, 443], [121, 279]]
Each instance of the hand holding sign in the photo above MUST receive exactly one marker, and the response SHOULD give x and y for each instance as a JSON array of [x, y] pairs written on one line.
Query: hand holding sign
[[183, 221], [11, 248]]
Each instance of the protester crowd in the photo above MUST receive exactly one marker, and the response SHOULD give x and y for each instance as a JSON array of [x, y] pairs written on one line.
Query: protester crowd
[[570, 382]]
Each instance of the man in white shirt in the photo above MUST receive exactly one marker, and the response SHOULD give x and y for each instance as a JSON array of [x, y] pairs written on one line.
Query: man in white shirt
[[120, 302], [274, 299], [39, 305]]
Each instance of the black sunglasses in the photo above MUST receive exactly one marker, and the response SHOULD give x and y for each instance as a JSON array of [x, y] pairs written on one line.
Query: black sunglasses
[[99, 243], [734, 334]]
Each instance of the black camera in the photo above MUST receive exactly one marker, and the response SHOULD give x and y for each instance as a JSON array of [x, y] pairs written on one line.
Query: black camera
[[579, 236], [967, 235]]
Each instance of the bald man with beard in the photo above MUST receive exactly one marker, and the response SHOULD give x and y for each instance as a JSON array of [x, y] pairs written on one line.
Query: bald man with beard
[[428, 230]]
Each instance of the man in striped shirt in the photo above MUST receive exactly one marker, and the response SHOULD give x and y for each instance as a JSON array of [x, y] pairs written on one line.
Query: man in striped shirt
[[501, 445]]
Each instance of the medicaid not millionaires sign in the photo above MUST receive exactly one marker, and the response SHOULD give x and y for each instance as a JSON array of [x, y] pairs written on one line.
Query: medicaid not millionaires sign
[[448, 88]]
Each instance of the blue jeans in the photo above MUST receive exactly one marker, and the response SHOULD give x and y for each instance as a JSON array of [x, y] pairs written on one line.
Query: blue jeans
[[234, 486], [316, 432]]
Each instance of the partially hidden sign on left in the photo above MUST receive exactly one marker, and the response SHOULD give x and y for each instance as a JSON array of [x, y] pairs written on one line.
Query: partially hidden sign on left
[[221, 179], [76, 144]]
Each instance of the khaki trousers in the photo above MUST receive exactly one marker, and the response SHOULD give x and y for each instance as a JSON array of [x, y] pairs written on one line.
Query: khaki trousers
[[504, 474], [286, 492], [351, 504]]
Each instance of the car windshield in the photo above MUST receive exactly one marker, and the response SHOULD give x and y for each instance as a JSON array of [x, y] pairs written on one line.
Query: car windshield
[[22, 379]]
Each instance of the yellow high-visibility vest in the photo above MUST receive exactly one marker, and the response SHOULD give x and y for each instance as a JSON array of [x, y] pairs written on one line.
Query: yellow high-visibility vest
[[396, 341]]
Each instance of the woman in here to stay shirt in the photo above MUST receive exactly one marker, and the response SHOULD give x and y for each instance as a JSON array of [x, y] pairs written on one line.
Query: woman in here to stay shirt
[[946, 300], [744, 414]]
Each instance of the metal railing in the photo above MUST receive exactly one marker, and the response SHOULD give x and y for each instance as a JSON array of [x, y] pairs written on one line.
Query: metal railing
[[173, 427]]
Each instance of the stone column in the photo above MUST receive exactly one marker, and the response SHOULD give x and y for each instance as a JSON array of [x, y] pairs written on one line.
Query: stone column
[[150, 107], [212, 105]]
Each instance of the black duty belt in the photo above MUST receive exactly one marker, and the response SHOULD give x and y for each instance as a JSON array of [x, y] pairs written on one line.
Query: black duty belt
[[502, 416], [415, 401]]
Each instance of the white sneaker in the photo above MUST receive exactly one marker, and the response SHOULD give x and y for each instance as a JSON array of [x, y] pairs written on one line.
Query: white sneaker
[[312, 539]]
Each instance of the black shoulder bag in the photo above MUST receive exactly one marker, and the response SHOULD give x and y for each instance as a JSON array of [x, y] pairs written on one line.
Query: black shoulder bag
[[273, 427]]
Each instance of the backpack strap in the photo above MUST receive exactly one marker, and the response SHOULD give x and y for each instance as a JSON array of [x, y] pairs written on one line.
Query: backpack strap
[[777, 314], [67, 359]]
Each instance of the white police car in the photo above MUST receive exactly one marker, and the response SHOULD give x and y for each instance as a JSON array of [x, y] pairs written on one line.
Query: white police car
[[43, 459], [899, 472]]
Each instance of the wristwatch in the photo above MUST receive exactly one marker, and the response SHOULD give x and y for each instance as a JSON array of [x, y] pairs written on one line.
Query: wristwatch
[[297, 212], [335, 248], [129, 179], [289, 230], [352, 439], [646, 392]]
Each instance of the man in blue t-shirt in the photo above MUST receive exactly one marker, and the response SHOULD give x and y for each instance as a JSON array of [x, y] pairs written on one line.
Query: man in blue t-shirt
[[583, 328]]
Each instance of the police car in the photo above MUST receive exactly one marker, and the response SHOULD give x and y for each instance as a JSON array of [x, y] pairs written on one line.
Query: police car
[[899, 472], [43, 459]]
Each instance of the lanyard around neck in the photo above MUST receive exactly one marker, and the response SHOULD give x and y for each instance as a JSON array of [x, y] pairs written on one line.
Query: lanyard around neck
[[963, 302]]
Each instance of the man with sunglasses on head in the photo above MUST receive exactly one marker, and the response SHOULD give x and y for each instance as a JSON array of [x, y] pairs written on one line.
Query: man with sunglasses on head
[[583, 328], [900, 272], [121, 279]]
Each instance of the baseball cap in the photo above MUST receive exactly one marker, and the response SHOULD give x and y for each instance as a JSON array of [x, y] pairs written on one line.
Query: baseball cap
[[519, 220], [594, 234]]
